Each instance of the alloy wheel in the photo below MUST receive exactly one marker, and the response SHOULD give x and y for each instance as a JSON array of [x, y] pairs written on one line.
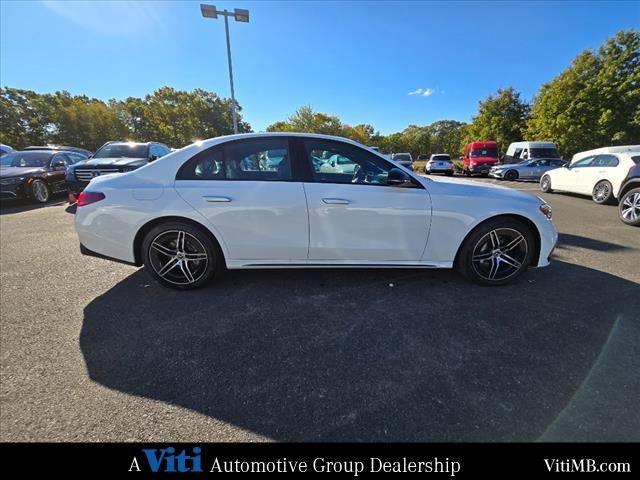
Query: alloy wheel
[[40, 191], [500, 254], [631, 207], [178, 257], [601, 192]]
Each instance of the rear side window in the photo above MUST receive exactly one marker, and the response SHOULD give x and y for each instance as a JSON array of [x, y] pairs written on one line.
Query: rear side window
[[256, 159], [259, 159], [605, 161]]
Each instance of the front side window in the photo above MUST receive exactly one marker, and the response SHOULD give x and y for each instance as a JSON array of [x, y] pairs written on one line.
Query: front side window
[[335, 162], [585, 162]]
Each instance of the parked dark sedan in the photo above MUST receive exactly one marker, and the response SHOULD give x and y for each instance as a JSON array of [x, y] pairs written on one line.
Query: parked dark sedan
[[35, 174], [112, 157]]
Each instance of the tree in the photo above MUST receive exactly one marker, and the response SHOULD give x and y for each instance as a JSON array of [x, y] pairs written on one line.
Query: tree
[[595, 102], [447, 136], [501, 117], [305, 119]]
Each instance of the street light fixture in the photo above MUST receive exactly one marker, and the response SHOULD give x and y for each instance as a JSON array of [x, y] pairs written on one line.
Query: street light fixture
[[240, 15]]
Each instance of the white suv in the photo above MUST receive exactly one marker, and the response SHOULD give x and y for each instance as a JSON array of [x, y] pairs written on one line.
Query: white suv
[[439, 163]]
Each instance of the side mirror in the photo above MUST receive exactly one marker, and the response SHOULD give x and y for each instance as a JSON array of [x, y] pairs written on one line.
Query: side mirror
[[399, 178], [153, 157]]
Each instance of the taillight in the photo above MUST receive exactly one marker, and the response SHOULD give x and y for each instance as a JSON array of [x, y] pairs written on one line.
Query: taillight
[[87, 198]]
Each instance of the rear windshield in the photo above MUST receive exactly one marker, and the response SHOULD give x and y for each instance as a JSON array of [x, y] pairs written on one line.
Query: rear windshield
[[544, 153], [636, 159], [442, 158], [402, 157], [484, 152]]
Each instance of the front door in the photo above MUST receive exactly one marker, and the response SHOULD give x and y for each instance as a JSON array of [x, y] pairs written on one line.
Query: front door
[[354, 215]]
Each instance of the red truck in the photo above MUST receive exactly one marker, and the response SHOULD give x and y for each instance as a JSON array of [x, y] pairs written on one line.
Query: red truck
[[479, 157]]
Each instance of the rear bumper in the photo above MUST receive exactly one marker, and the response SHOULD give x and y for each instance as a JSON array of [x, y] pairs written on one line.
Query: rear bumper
[[90, 253]]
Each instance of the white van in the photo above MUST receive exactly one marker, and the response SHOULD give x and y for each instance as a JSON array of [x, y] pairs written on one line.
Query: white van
[[519, 151], [602, 150]]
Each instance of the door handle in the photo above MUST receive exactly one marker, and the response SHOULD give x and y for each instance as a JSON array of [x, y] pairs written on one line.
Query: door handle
[[336, 201], [214, 198]]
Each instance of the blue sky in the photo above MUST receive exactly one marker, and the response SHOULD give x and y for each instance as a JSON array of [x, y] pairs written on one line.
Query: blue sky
[[357, 60]]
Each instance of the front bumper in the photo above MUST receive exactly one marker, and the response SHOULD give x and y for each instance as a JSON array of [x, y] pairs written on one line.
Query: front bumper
[[75, 186], [494, 174], [480, 168], [14, 191]]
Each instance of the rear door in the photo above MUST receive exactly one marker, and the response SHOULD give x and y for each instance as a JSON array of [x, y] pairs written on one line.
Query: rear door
[[357, 217], [245, 189], [605, 167]]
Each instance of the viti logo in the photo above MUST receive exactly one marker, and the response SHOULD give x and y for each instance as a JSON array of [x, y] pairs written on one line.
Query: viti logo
[[166, 460]]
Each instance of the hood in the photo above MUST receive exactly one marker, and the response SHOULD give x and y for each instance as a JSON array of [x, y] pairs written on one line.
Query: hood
[[103, 162], [6, 172], [476, 189]]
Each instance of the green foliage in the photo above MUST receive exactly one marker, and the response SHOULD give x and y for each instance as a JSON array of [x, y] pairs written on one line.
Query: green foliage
[[595, 102], [501, 117], [174, 117]]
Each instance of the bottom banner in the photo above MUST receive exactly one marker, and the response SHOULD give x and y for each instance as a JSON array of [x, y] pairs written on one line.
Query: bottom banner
[[464, 460]]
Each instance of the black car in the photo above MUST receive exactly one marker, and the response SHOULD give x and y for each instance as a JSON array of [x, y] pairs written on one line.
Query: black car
[[113, 157], [35, 174], [629, 195], [82, 151]]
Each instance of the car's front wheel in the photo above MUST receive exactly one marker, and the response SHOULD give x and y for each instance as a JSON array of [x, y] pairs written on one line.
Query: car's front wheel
[[602, 192], [40, 191], [629, 207], [181, 256], [545, 184], [511, 175], [496, 252]]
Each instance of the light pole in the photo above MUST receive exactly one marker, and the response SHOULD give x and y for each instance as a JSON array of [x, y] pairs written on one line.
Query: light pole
[[241, 15]]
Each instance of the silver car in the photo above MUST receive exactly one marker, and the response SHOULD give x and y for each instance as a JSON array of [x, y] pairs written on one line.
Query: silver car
[[527, 170]]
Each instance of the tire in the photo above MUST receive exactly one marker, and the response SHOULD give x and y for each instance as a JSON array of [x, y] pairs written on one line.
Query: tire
[[427, 172], [496, 252], [511, 175], [545, 184], [40, 191], [449, 174], [629, 208], [467, 173], [602, 192], [181, 256]]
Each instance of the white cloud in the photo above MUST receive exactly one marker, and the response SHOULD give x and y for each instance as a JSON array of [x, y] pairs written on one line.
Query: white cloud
[[424, 92]]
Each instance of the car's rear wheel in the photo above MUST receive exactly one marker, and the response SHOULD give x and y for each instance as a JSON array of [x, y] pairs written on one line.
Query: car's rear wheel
[[629, 208], [449, 174], [40, 191], [602, 192], [545, 184], [511, 175], [496, 252], [181, 256]]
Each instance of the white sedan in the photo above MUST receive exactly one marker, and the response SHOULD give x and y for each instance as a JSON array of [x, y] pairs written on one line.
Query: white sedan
[[213, 205], [598, 175]]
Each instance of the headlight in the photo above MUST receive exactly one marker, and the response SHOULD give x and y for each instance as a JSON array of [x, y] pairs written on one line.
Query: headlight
[[546, 210], [11, 181]]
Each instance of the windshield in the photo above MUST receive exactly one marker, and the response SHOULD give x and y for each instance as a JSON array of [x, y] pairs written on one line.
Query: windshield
[[118, 150], [402, 157], [544, 153], [441, 158], [484, 152], [25, 159]]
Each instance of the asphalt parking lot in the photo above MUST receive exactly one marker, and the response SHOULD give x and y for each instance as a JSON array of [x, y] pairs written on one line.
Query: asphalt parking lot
[[94, 351]]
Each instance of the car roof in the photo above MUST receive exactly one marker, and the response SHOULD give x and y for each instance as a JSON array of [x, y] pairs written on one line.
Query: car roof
[[535, 144], [615, 149], [50, 151], [226, 138]]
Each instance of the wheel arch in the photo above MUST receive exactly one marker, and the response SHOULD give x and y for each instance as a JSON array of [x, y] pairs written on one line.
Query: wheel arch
[[630, 185], [146, 228], [535, 258]]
